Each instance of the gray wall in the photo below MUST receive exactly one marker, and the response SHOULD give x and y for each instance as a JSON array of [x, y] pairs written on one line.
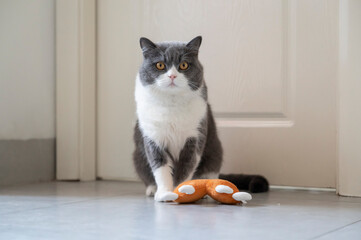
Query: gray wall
[[27, 91]]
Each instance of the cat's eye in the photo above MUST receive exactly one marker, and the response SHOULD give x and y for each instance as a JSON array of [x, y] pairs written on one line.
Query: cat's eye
[[160, 65], [183, 65]]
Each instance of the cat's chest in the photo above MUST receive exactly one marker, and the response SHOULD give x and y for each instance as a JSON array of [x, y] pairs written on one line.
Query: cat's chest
[[170, 125]]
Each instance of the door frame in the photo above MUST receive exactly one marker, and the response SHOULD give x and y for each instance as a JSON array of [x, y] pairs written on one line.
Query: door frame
[[76, 94], [75, 89], [349, 99]]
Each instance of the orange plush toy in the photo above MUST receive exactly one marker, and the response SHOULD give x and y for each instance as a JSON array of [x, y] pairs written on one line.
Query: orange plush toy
[[220, 190]]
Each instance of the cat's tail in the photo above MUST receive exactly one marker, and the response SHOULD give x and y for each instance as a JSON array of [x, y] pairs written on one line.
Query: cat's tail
[[252, 183]]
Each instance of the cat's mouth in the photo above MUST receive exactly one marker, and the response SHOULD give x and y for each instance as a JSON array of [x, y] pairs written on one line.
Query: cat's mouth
[[172, 85]]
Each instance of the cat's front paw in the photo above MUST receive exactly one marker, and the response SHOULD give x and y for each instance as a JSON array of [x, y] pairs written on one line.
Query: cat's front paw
[[151, 189], [165, 196]]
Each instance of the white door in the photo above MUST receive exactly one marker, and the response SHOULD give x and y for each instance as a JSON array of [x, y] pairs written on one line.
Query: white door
[[271, 69]]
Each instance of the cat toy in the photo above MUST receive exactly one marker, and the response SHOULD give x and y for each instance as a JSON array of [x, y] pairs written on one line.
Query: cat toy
[[220, 190]]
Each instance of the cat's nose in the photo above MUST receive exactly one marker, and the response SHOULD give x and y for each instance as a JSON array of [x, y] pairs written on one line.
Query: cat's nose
[[172, 77]]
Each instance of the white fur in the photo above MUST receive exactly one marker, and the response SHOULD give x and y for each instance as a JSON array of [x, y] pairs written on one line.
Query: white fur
[[166, 197], [150, 191], [164, 180], [169, 115]]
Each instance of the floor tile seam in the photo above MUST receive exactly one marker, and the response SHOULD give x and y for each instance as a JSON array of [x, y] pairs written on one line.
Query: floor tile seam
[[336, 229], [65, 203], [310, 200]]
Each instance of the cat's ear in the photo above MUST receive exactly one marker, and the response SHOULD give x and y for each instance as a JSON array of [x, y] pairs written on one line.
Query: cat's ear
[[146, 44], [195, 43]]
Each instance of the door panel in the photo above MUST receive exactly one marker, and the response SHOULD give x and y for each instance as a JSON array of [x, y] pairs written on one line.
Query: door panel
[[270, 67]]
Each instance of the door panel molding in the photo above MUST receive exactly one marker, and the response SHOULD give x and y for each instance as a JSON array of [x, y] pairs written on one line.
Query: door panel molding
[[271, 116], [283, 118]]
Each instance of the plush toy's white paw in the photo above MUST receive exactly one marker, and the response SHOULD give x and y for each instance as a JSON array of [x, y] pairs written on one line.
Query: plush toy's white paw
[[165, 196], [187, 189], [242, 196], [224, 189], [150, 191]]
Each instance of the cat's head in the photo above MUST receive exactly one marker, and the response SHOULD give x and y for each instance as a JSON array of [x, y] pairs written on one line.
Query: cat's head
[[171, 66]]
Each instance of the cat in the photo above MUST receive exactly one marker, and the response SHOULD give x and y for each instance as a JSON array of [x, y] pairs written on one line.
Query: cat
[[175, 134]]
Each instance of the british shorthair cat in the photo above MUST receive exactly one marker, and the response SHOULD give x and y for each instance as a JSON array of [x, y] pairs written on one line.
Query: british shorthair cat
[[175, 134]]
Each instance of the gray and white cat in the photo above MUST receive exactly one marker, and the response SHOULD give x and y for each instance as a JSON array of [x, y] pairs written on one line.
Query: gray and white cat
[[175, 135]]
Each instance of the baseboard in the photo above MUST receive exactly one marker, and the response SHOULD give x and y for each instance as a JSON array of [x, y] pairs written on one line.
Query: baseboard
[[274, 187], [26, 161], [303, 188]]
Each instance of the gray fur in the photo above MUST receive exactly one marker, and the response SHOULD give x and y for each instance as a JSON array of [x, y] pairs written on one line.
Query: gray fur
[[156, 156], [140, 160], [171, 54], [147, 155], [202, 136], [204, 91], [212, 155], [186, 161]]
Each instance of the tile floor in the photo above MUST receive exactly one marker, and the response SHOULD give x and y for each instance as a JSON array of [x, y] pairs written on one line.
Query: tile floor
[[119, 210]]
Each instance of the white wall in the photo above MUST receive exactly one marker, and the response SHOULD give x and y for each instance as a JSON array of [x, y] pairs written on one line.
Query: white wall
[[27, 69]]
